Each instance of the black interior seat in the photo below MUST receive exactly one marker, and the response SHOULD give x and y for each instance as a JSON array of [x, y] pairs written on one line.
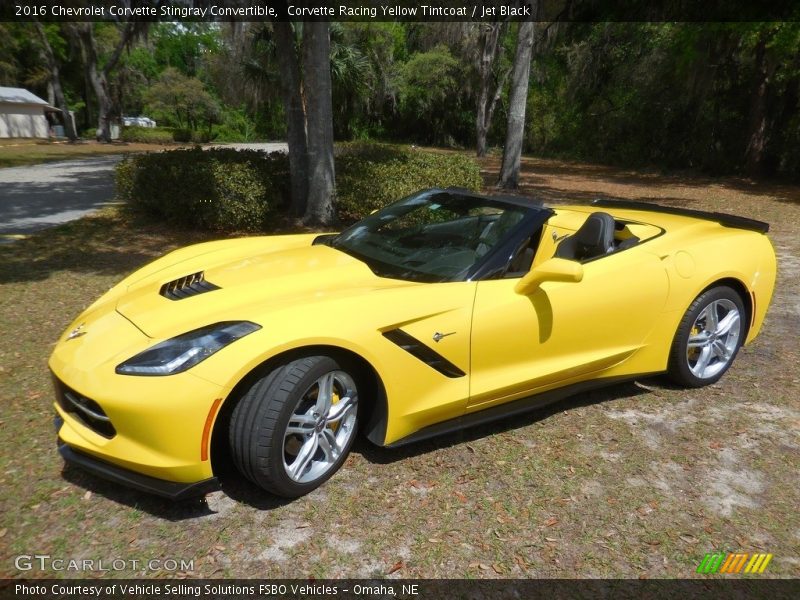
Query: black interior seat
[[627, 243], [594, 238]]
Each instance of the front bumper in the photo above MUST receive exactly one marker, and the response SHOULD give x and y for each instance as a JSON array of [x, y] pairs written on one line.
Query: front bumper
[[173, 490]]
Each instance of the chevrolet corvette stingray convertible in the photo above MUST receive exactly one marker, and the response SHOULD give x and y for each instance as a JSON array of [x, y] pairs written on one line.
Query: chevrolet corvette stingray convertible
[[443, 310]]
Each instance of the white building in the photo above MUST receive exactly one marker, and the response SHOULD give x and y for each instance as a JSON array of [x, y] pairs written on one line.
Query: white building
[[22, 114]]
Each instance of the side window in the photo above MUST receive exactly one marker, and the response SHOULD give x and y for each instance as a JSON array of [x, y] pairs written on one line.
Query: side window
[[522, 259]]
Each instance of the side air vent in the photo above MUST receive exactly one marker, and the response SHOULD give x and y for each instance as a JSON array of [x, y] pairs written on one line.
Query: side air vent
[[424, 353], [188, 286]]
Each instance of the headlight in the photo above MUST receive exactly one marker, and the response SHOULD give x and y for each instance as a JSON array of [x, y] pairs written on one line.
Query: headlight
[[186, 350]]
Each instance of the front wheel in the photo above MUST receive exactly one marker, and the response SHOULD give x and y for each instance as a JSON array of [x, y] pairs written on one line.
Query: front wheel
[[708, 338], [293, 428]]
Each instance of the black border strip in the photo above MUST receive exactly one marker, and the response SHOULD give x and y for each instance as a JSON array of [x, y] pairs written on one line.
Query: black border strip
[[424, 353], [723, 219], [585, 11], [706, 586]]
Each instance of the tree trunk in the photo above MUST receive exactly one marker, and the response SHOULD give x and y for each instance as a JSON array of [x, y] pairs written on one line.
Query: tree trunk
[[755, 152], [512, 152], [55, 82], [319, 115], [291, 88], [99, 78], [490, 44], [96, 79]]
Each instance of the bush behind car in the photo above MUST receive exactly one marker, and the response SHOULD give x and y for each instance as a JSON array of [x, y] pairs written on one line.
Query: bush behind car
[[223, 189]]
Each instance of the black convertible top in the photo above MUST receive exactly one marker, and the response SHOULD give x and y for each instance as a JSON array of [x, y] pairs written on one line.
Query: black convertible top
[[524, 201]]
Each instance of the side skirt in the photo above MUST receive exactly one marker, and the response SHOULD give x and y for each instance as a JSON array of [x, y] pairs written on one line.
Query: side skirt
[[517, 407]]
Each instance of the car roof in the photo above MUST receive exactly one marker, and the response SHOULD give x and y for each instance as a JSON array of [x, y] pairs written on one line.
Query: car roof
[[528, 202]]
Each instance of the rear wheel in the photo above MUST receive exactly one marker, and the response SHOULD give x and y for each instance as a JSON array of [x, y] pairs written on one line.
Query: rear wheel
[[708, 338], [293, 428]]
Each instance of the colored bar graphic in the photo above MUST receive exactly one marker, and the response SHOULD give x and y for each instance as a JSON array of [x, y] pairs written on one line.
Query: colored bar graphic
[[711, 562], [734, 562], [765, 562], [729, 562], [754, 563]]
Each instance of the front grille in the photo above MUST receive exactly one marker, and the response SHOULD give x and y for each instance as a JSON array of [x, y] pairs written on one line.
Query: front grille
[[186, 287], [84, 409]]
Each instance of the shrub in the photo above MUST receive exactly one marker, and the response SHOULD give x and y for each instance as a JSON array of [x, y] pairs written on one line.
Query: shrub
[[220, 189], [370, 176], [182, 135], [223, 189], [147, 135]]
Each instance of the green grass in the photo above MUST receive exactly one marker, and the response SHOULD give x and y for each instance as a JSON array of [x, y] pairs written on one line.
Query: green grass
[[615, 483], [32, 153]]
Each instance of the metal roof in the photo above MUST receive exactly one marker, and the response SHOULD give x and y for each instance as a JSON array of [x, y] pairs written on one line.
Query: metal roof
[[9, 95]]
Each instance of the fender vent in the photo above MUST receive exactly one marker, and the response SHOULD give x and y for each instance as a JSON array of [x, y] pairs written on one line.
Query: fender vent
[[188, 286], [424, 353]]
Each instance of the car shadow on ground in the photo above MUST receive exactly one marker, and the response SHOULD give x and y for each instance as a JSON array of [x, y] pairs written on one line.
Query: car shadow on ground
[[234, 486], [631, 389], [154, 505]]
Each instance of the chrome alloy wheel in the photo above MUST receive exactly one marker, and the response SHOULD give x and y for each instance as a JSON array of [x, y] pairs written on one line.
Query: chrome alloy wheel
[[713, 339], [320, 427]]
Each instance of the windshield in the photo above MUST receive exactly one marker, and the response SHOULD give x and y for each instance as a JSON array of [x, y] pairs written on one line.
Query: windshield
[[432, 236]]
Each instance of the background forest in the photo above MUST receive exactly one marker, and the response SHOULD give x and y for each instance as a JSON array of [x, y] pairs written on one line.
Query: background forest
[[716, 97]]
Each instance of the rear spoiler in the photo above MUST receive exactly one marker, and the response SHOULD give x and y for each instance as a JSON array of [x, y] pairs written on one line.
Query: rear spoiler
[[723, 219]]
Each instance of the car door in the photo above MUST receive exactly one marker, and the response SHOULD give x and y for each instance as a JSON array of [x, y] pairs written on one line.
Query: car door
[[564, 331]]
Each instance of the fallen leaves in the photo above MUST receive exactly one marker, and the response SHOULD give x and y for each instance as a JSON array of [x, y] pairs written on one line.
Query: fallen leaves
[[396, 567]]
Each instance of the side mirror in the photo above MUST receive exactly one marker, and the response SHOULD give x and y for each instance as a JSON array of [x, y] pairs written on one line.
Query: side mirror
[[555, 269]]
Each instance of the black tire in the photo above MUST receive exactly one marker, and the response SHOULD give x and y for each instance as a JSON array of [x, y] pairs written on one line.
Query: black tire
[[680, 368], [258, 437]]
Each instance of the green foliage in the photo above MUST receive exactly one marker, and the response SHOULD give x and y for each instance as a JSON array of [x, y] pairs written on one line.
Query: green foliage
[[431, 104], [220, 189], [182, 135], [183, 46], [147, 135], [674, 95], [182, 100], [370, 176], [236, 126]]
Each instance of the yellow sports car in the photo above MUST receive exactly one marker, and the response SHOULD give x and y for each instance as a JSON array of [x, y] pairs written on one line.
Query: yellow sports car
[[443, 310]]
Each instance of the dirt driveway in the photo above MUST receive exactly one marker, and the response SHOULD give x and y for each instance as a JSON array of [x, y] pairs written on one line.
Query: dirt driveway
[[38, 196]]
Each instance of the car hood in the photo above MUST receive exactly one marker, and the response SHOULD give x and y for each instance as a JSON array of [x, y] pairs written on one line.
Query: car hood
[[251, 278]]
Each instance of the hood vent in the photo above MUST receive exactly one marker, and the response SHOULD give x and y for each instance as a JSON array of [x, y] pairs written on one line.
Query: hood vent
[[186, 287]]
